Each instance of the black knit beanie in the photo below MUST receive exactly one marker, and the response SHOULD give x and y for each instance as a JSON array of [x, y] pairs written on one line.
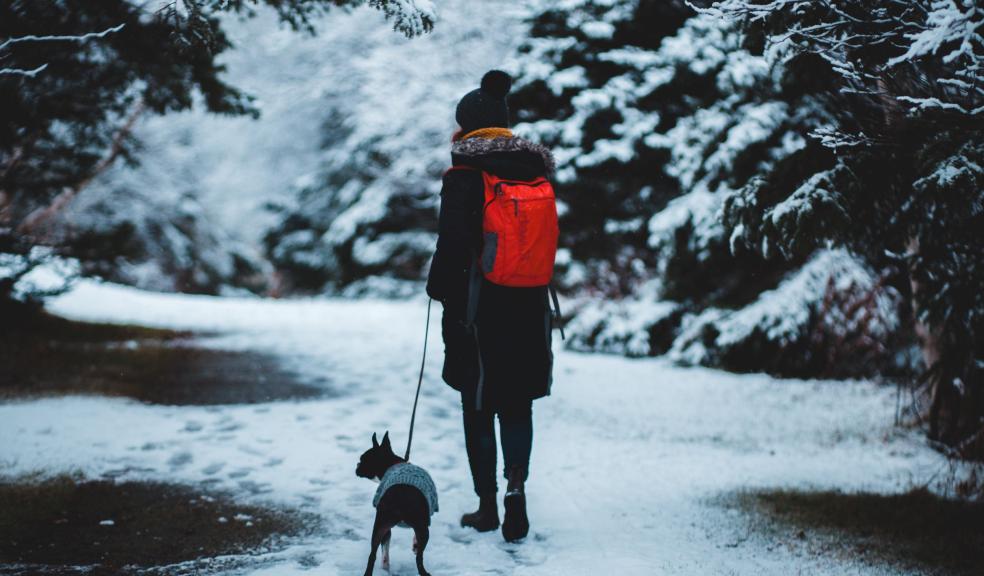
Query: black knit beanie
[[485, 107]]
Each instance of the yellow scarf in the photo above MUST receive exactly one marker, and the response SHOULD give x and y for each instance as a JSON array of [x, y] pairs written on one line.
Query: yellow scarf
[[488, 133]]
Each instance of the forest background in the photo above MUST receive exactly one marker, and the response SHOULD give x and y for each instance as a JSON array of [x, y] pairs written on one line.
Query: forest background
[[787, 187]]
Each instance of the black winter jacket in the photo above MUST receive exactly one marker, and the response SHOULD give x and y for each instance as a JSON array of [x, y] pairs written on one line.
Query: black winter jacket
[[505, 357]]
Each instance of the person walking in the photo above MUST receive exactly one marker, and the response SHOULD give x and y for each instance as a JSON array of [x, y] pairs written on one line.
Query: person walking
[[497, 338]]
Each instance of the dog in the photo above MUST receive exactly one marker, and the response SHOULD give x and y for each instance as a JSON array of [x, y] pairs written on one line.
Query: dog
[[406, 496]]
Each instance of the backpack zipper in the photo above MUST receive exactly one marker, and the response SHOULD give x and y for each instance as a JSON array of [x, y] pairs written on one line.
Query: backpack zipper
[[498, 192]]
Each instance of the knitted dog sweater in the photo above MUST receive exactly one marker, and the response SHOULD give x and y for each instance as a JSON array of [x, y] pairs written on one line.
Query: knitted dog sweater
[[410, 475]]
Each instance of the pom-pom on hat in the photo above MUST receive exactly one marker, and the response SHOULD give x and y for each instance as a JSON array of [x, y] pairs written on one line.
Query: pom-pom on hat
[[486, 106]]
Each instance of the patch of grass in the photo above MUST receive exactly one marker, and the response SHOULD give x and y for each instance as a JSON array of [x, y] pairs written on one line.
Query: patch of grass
[[59, 524], [913, 531], [44, 355]]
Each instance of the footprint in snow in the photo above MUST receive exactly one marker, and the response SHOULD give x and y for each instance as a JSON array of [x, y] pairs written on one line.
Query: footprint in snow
[[247, 449], [461, 535], [192, 426], [310, 500], [229, 426], [213, 468], [240, 473], [308, 561], [352, 535], [255, 487], [524, 553], [440, 413], [180, 459]]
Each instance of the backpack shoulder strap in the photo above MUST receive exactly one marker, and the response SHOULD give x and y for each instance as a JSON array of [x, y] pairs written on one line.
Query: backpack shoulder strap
[[474, 278], [556, 309]]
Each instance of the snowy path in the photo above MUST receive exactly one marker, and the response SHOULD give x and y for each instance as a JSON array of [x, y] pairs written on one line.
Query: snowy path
[[627, 453]]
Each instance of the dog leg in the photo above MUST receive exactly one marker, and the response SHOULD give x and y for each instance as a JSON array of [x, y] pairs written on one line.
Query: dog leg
[[421, 536], [378, 530], [386, 550]]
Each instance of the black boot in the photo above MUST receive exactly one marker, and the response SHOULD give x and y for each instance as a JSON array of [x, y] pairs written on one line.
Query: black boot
[[516, 525], [486, 518]]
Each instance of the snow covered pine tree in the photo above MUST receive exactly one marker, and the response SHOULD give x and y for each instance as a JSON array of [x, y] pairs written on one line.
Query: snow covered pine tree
[[363, 222], [653, 131], [906, 178]]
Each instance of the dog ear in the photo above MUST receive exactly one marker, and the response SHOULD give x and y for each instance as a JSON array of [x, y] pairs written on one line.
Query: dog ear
[[386, 440], [375, 443]]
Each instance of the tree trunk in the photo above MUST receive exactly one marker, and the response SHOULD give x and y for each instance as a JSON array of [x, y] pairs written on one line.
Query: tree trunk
[[931, 343], [43, 214], [956, 410], [4, 213]]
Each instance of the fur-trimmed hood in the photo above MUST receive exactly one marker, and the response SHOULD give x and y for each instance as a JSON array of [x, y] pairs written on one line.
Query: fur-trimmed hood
[[473, 147]]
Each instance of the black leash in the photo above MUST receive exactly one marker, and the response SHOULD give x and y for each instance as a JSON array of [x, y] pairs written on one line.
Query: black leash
[[420, 380]]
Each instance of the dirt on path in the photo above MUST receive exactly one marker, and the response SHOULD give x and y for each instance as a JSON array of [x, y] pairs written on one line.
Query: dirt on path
[[44, 355], [70, 525], [913, 532]]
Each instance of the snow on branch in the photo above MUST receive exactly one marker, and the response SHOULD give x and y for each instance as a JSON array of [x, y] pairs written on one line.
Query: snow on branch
[[58, 38], [933, 102], [50, 38], [20, 72], [947, 24], [869, 41], [411, 17]]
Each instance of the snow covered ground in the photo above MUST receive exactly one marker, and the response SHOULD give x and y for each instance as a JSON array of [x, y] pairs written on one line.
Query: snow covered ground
[[628, 454]]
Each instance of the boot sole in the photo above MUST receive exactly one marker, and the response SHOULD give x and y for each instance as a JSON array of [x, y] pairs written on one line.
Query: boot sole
[[480, 527], [516, 524]]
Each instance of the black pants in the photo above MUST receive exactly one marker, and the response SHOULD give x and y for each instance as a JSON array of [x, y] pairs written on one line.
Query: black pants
[[516, 433]]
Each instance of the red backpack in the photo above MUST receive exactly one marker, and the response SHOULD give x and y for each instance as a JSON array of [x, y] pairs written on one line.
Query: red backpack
[[519, 231], [519, 236]]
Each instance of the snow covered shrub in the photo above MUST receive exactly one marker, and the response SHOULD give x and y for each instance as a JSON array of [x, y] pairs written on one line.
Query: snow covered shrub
[[29, 274], [831, 318], [159, 239], [689, 110], [370, 212], [580, 77], [638, 325], [654, 134]]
